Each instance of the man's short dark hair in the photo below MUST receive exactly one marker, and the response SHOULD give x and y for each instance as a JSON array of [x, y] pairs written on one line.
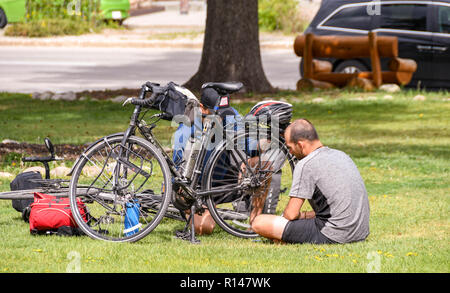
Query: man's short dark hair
[[302, 129]]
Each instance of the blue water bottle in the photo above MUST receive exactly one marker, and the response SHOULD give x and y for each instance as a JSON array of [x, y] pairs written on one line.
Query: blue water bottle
[[131, 220]]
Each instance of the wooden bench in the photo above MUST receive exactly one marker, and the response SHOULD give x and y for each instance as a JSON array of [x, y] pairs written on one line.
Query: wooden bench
[[318, 73]]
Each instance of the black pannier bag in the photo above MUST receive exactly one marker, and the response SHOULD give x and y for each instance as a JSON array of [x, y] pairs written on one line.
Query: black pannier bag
[[23, 181], [171, 102]]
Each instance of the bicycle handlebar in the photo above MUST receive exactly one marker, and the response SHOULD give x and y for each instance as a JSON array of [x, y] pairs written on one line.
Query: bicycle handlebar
[[144, 102], [148, 87]]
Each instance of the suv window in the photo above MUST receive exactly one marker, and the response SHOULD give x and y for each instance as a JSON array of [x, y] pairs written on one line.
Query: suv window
[[352, 18], [404, 17], [444, 19]]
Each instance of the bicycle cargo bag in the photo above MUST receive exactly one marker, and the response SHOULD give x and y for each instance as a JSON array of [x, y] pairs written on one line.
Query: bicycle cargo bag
[[24, 181], [172, 102], [52, 215]]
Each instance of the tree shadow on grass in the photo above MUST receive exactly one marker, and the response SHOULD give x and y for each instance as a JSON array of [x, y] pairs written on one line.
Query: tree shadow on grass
[[441, 151], [349, 111], [365, 122], [386, 134]]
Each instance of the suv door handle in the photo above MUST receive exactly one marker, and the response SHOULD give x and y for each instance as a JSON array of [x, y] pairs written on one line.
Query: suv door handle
[[424, 48], [440, 49]]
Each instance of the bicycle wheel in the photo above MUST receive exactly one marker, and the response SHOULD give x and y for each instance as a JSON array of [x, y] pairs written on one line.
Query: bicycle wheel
[[29, 193], [126, 189], [239, 164]]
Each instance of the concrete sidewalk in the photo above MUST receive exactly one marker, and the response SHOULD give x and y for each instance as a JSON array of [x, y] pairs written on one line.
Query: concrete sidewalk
[[161, 47], [168, 18], [167, 29]]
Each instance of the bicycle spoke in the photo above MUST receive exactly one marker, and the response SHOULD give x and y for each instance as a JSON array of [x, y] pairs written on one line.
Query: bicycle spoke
[[115, 194], [253, 171]]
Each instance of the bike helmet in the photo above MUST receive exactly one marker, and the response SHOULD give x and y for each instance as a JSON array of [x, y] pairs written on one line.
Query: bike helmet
[[272, 110]]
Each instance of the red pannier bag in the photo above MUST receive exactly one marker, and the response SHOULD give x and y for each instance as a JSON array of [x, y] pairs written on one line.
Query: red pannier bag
[[50, 214]]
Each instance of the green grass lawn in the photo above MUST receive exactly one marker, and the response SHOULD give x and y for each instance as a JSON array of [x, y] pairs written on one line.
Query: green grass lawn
[[401, 147]]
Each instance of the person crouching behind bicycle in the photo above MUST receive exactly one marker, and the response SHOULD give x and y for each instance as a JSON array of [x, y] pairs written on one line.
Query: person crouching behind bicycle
[[204, 224], [264, 115]]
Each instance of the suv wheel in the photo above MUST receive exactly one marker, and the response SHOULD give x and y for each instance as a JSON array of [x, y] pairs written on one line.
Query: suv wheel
[[351, 66], [3, 19]]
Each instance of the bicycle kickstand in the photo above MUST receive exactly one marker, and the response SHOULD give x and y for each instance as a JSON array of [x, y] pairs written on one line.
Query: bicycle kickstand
[[186, 233], [193, 239]]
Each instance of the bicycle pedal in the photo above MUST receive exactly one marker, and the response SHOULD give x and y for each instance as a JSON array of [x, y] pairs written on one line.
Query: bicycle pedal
[[186, 235], [183, 235]]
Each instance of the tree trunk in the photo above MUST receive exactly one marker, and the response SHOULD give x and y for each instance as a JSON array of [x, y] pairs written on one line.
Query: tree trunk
[[231, 50]]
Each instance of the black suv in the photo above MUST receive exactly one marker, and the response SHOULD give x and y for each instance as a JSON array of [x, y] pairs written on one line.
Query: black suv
[[422, 28]]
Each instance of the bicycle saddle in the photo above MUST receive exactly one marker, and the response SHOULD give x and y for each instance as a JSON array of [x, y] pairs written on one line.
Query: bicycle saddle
[[224, 88]]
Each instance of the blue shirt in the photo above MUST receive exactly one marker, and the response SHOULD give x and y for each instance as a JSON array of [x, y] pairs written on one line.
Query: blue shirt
[[183, 133]]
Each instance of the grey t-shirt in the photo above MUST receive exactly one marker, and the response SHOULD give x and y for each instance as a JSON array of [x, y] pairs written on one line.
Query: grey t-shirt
[[331, 182]]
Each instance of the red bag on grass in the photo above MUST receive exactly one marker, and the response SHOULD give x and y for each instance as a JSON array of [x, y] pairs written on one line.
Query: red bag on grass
[[52, 215]]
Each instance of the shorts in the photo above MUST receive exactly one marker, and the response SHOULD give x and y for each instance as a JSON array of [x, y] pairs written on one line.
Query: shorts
[[305, 231]]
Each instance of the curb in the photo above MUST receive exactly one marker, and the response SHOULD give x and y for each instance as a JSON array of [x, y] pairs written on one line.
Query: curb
[[106, 44], [130, 41], [174, 44]]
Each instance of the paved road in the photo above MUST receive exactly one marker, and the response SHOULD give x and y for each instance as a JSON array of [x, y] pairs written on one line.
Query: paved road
[[59, 69]]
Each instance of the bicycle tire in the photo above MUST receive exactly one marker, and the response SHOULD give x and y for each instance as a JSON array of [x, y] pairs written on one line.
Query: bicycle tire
[[228, 217], [109, 206], [48, 186], [29, 193]]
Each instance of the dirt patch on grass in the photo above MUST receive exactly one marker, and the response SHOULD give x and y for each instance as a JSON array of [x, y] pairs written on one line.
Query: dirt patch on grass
[[67, 151], [108, 94], [433, 229]]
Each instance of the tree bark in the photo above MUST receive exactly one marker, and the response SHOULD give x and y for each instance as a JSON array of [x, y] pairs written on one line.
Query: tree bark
[[231, 50]]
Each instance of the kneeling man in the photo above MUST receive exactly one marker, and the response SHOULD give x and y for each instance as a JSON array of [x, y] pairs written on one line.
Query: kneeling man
[[332, 184]]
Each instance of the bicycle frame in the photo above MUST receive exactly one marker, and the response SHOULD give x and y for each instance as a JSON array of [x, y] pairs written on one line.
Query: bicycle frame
[[187, 184], [184, 181]]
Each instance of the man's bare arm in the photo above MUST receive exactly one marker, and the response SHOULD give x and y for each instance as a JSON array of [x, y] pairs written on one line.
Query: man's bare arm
[[292, 210]]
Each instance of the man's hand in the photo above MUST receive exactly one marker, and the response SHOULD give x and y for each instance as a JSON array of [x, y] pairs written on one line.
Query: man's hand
[[307, 215]]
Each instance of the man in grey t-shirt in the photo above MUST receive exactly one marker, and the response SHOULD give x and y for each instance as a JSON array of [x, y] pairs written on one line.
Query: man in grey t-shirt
[[331, 182]]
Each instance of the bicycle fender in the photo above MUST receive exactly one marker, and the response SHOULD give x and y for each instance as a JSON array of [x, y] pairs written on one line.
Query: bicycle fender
[[92, 145]]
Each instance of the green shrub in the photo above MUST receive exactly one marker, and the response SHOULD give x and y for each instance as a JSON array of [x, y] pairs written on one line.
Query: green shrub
[[49, 27], [280, 15], [47, 18], [56, 27], [62, 9]]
